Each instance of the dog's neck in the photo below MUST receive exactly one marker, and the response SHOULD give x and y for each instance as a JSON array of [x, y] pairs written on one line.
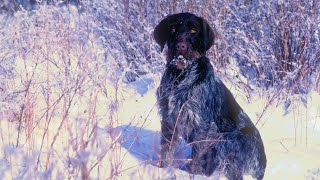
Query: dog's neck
[[188, 76]]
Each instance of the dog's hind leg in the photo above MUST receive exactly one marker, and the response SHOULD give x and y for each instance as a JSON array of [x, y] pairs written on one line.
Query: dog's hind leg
[[259, 174]]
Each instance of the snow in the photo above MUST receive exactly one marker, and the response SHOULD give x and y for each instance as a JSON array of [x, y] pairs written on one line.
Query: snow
[[291, 141], [291, 155]]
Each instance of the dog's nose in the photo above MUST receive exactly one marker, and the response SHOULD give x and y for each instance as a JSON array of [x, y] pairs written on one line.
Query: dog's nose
[[181, 46]]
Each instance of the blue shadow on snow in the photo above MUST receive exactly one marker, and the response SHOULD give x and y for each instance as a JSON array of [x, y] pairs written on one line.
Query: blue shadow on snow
[[144, 145]]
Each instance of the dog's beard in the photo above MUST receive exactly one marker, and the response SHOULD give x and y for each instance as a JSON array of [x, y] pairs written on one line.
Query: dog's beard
[[180, 62], [183, 61]]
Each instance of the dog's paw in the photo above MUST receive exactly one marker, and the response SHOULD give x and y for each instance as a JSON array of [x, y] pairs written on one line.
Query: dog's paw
[[192, 168], [164, 163]]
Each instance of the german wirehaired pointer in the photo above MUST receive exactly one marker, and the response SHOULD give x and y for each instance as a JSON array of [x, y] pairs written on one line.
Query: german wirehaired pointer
[[195, 105]]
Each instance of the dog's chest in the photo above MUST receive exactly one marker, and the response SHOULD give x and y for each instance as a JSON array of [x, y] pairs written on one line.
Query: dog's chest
[[183, 110]]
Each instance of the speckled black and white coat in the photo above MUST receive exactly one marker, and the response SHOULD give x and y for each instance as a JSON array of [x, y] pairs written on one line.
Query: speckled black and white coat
[[195, 105]]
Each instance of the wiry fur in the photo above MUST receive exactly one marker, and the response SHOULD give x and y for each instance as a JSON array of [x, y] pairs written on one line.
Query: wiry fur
[[195, 105]]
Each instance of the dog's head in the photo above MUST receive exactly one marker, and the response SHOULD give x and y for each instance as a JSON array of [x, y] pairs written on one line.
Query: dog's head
[[187, 36]]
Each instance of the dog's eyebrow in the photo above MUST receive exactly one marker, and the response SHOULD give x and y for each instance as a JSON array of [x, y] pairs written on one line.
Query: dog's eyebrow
[[189, 23], [175, 23], [192, 23]]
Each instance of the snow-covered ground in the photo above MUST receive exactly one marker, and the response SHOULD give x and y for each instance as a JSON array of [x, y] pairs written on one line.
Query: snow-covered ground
[[291, 139]]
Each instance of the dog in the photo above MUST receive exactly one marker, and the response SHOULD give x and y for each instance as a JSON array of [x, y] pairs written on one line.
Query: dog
[[196, 106]]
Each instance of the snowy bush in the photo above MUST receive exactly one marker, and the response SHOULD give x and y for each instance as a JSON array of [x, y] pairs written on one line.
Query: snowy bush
[[53, 77]]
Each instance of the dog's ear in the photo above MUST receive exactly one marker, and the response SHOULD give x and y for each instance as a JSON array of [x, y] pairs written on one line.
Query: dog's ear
[[161, 32], [207, 33]]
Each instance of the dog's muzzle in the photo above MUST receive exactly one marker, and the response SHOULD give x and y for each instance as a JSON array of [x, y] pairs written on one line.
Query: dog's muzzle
[[180, 62]]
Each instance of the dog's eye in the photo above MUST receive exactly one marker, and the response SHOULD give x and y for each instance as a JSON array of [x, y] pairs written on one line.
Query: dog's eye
[[173, 29], [193, 30]]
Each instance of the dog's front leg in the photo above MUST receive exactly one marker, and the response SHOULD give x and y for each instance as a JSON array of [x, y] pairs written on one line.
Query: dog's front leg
[[168, 144], [203, 159]]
